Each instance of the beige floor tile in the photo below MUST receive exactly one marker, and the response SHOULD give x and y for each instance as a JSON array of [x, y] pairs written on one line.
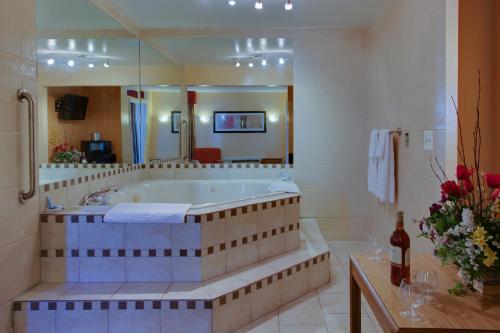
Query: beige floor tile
[[266, 324], [335, 303], [304, 311], [303, 329], [339, 323], [336, 286]]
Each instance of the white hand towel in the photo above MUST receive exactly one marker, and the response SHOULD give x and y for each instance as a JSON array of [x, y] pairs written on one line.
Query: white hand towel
[[147, 213], [386, 182], [287, 187], [372, 162]]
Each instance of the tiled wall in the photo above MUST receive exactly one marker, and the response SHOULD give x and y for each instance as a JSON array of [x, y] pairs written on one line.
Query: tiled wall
[[19, 233], [330, 132], [406, 88]]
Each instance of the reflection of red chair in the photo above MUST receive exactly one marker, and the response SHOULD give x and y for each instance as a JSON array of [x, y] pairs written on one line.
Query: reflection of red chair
[[208, 155]]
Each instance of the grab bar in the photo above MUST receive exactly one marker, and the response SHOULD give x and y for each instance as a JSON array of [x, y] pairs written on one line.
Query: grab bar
[[23, 94]]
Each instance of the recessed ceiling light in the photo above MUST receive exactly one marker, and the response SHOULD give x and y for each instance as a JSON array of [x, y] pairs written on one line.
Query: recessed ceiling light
[[232, 3], [107, 64], [250, 65], [264, 62], [237, 64], [91, 65], [281, 61], [50, 61], [71, 63], [258, 4], [288, 5]]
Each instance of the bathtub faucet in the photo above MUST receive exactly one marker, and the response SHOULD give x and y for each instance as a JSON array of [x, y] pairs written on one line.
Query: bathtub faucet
[[97, 197]]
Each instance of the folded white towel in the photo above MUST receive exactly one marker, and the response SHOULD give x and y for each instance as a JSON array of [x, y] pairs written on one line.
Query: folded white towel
[[372, 162], [147, 213], [287, 187], [386, 182]]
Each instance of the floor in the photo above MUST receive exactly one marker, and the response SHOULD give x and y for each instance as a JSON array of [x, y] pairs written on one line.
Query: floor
[[323, 311]]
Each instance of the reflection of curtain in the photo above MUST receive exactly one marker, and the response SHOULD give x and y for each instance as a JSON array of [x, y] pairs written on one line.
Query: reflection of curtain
[[138, 123]]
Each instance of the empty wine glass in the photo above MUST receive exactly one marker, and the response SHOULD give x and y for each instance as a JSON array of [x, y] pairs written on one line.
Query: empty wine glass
[[376, 246], [428, 282], [410, 296]]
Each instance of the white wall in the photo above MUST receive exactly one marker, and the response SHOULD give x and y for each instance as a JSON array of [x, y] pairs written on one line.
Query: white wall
[[406, 88], [330, 129], [19, 224], [163, 143], [243, 145]]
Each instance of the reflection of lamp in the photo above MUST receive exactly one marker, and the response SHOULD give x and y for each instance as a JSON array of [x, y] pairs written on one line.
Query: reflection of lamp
[[163, 119], [204, 119], [273, 118]]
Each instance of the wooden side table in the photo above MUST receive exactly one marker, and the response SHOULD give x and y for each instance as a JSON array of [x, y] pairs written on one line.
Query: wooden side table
[[449, 314]]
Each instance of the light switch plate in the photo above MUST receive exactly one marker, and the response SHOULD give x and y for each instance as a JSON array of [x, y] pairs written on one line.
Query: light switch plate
[[428, 140]]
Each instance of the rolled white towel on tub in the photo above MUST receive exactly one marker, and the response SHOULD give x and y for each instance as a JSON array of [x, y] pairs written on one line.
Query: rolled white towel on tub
[[287, 187], [147, 213]]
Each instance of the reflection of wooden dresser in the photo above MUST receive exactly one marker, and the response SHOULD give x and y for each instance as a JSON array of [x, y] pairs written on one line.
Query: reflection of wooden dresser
[[271, 161]]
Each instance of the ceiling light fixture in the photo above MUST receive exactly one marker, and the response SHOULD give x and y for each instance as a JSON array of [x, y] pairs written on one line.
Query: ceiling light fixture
[[232, 3], [288, 5], [50, 62], [258, 4], [264, 62], [107, 64], [281, 61], [250, 64], [71, 63]]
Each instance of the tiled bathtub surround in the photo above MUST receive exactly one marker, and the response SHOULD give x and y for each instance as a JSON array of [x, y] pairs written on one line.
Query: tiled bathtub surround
[[219, 305], [81, 248]]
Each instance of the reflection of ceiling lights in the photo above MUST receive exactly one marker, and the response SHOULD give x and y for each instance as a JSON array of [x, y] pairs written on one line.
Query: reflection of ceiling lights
[[288, 5], [91, 65], [50, 62], [281, 61], [250, 64], [259, 5], [71, 63], [237, 64], [107, 64], [232, 3], [263, 59], [263, 62]]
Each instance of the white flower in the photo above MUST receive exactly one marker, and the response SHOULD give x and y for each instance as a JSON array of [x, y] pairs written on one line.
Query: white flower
[[467, 218]]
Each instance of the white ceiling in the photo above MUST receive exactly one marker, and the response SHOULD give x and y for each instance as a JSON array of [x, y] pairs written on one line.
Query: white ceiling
[[182, 14], [221, 51]]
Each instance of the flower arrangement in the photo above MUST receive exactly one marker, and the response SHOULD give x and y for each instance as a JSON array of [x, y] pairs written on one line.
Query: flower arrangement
[[465, 225], [65, 153]]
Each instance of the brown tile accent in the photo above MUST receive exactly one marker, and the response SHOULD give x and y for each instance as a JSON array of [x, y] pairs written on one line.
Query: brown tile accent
[[222, 300], [244, 209], [210, 250], [44, 253], [121, 252], [44, 218], [174, 305], [273, 232], [17, 306], [87, 305], [74, 219], [245, 240], [269, 279], [282, 229], [298, 267], [234, 212], [59, 253], [197, 219], [106, 253], [315, 260], [307, 264], [280, 275], [191, 305], [236, 294], [208, 305], [264, 234], [90, 219], [210, 217], [248, 290], [139, 305], [183, 252], [264, 205], [156, 305], [34, 306], [152, 252], [167, 253], [255, 237], [289, 272], [122, 305], [90, 253], [104, 305], [59, 218], [222, 215], [52, 306], [273, 204], [234, 243], [222, 246], [70, 306], [197, 252], [259, 285], [282, 202], [255, 208], [136, 253]]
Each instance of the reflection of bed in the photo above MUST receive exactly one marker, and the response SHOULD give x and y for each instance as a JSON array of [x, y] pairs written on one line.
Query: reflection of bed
[[208, 155]]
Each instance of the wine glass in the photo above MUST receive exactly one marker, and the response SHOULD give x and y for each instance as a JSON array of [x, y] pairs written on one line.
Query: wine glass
[[410, 296], [376, 246], [428, 282]]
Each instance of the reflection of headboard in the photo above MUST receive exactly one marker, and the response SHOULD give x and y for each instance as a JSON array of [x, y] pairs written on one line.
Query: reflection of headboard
[[208, 155]]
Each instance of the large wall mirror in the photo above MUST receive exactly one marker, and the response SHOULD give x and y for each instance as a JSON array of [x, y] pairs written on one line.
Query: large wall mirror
[[106, 96]]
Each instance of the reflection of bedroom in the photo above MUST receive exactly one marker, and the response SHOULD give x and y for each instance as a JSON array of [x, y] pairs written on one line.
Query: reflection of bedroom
[[250, 124]]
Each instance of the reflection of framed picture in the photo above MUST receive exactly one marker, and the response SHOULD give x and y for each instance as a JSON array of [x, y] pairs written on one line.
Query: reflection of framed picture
[[240, 122], [176, 121]]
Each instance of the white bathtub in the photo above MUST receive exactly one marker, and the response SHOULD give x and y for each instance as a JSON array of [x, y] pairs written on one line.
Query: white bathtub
[[199, 193]]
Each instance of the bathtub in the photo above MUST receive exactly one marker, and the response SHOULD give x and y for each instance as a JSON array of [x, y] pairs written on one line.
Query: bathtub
[[200, 193]]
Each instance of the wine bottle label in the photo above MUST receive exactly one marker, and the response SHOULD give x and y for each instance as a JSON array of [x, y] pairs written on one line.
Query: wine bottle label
[[395, 254], [407, 257]]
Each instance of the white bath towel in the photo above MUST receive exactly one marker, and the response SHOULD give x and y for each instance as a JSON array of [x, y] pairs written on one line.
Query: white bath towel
[[147, 213], [372, 162], [287, 187], [386, 182]]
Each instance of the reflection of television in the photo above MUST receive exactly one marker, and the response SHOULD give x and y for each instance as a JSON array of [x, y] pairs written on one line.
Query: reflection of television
[[72, 107]]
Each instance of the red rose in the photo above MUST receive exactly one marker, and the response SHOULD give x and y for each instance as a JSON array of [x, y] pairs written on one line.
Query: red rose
[[492, 180], [451, 189], [468, 186], [463, 173], [495, 194]]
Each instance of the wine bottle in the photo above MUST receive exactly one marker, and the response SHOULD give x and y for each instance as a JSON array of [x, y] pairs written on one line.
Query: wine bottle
[[400, 252]]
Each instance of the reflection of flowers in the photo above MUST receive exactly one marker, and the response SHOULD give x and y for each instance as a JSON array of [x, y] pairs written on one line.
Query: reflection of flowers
[[65, 153], [491, 257], [479, 237]]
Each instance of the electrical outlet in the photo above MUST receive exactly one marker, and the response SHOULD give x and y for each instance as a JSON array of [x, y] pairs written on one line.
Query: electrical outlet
[[428, 140]]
